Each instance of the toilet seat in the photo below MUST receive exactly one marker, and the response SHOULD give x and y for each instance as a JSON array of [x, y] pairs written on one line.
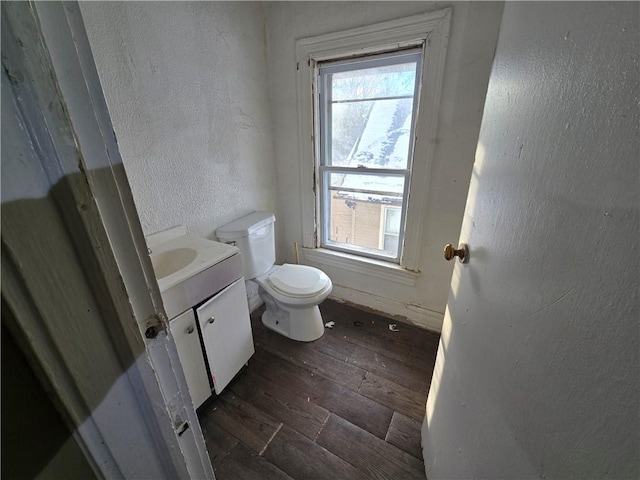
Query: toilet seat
[[298, 281]]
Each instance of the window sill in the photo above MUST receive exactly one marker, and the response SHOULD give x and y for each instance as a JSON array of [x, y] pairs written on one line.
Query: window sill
[[366, 266]]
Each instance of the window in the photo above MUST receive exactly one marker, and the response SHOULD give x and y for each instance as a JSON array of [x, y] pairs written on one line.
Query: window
[[390, 231], [365, 151], [366, 127]]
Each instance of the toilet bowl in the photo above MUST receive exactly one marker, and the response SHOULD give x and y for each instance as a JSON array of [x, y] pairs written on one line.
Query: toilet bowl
[[291, 293]]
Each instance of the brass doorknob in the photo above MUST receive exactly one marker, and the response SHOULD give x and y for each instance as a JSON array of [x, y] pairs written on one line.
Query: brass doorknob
[[462, 253]]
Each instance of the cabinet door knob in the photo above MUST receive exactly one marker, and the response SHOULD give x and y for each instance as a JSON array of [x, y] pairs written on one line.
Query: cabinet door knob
[[212, 319], [190, 329]]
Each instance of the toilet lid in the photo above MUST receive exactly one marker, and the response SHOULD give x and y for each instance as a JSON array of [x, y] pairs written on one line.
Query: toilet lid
[[298, 280]]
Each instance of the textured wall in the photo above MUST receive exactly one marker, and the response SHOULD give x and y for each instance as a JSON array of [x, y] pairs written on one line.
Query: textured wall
[[186, 87], [537, 375], [473, 34]]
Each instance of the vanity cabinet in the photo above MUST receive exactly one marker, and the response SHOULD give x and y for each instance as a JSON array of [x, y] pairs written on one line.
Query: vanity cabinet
[[226, 333], [204, 294], [185, 333]]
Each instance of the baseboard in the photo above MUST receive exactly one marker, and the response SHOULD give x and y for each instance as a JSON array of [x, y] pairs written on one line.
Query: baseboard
[[254, 303], [253, 298], [413, 314]]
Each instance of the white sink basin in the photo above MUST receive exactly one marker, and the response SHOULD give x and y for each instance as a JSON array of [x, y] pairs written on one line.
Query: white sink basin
[[170, 261], [190, 269]]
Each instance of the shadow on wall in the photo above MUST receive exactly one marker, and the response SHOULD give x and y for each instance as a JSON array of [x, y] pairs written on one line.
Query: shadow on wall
[[37, 439], [75, 294], [55, 310], [36, 442], [537, 370]]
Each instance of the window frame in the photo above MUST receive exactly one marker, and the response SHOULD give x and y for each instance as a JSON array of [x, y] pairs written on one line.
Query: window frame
[[429, 31], [323, 132]]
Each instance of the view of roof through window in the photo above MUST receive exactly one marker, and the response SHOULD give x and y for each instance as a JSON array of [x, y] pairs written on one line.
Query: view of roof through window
[[371, 114], [368, 125]]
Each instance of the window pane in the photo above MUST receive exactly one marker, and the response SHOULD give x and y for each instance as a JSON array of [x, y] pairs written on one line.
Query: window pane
[[392, 221], [362, 184], [348, 121], [377, 82], [373, 134], [355, 209], [391, 243]]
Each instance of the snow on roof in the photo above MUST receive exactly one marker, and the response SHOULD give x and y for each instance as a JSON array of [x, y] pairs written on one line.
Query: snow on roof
[[383, 143], [379, 143], [383, 189]]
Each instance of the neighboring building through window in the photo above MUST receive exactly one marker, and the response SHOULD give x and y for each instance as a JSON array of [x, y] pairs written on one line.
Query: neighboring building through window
[[367, 109], [390, 229]]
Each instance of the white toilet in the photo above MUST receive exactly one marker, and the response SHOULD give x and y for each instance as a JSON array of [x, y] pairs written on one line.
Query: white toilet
[[291, 293]]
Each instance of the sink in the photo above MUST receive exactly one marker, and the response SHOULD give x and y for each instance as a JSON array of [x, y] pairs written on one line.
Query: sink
[[190, 269], [170, 261]]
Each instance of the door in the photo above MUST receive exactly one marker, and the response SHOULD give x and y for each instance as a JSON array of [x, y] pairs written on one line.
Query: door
[[537, 373], [76, 276], [226, 333], [185, 333]]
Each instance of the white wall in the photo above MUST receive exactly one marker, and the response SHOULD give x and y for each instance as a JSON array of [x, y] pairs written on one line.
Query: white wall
[[185, 83], [473, 35], [197, 121], [538, 370]]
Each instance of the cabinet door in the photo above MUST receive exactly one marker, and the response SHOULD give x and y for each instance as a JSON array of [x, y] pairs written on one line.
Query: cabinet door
[[184, 331], [226, 332]]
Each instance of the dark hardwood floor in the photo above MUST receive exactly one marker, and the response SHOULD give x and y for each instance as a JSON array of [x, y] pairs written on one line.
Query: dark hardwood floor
[[349, 405]]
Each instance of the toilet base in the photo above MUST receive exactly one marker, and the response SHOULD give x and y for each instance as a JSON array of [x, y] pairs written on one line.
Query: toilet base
[[302, 324]]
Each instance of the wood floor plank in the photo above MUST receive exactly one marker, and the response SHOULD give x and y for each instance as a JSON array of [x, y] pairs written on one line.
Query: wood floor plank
[[307, 356], [303, 459], [414, 379], [244, 464], [419, 354], [404, 433], [412, 356], [377, 458], [329, 344], [334, 345], [244, 421], [376, 325], [282, 404], [358, 409], [219, 442], [348, 405], [395, 396]]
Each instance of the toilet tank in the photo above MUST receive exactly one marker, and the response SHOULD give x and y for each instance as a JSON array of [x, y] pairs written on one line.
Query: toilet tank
[[253, 234]]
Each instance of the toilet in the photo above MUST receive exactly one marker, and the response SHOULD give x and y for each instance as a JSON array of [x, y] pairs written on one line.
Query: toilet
[[291, 293]]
